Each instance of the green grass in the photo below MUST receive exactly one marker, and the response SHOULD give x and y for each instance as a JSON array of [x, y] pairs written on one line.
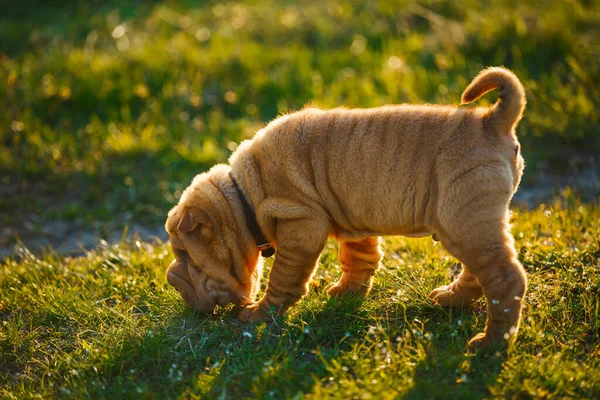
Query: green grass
[[108, 326], [109, 108]]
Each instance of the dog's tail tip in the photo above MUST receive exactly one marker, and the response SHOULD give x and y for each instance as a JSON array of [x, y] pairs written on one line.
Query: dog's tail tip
[[508, 110], [470, 95]]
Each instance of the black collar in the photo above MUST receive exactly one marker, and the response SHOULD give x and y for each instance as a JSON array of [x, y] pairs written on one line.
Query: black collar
[[265, 248]]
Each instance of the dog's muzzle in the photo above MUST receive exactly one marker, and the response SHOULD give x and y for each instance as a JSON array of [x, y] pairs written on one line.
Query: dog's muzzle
[[196, 287]]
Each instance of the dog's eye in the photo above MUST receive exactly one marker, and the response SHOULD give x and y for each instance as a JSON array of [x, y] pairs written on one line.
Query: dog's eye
[[206, 231]]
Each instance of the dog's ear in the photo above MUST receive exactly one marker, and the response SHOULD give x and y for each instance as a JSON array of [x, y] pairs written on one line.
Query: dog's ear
[[193, 220], [188, 222]]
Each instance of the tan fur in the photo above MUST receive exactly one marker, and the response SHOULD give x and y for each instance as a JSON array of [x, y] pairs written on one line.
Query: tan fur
[[356, 175]]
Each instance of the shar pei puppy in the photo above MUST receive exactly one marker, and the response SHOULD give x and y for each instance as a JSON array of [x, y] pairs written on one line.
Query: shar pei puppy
[[356, 175]]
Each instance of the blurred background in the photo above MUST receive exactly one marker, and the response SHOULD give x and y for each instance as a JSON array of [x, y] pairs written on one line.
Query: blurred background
[[109, 108]]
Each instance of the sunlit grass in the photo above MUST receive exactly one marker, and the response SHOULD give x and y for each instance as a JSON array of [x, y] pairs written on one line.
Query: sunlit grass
[[108, 325], [108, 109]]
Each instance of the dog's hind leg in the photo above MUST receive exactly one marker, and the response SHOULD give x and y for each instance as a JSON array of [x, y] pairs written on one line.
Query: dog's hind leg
[[487, 250], [360, 258], [463, 292]]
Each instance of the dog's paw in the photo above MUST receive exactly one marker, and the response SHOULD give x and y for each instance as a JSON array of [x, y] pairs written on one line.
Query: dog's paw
[[479, 342], [253, 313], [485, 344], [443, 296], [337, 290], [448, 296]]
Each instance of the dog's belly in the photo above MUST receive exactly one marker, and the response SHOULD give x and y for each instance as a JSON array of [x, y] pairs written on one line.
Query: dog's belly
[[351, 235], [417, 234]]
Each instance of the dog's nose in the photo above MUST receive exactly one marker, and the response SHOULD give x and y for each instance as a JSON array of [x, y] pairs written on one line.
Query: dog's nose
[[179, 277]]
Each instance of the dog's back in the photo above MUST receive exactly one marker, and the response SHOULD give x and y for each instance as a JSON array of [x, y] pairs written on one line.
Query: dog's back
[[393, 169], [376, 168]]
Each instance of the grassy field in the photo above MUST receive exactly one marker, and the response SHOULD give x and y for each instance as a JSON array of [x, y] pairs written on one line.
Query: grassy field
[[112, 107], [109, 108], [108, 326]]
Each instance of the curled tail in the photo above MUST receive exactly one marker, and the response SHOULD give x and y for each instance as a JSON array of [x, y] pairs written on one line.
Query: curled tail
[[508, 110]]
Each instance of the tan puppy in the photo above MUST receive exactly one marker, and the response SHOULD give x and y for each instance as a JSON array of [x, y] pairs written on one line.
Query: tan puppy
[[356, 175]]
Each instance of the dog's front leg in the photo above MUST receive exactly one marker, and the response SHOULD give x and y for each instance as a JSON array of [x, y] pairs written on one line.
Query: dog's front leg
[[299, 244]]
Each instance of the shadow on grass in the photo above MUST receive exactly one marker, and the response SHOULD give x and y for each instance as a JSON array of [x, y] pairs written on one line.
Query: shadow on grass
[[439, 380], [217, 356], [449, 370]]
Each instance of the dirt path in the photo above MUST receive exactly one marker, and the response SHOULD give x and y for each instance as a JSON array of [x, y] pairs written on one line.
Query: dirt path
[[71, 238]]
